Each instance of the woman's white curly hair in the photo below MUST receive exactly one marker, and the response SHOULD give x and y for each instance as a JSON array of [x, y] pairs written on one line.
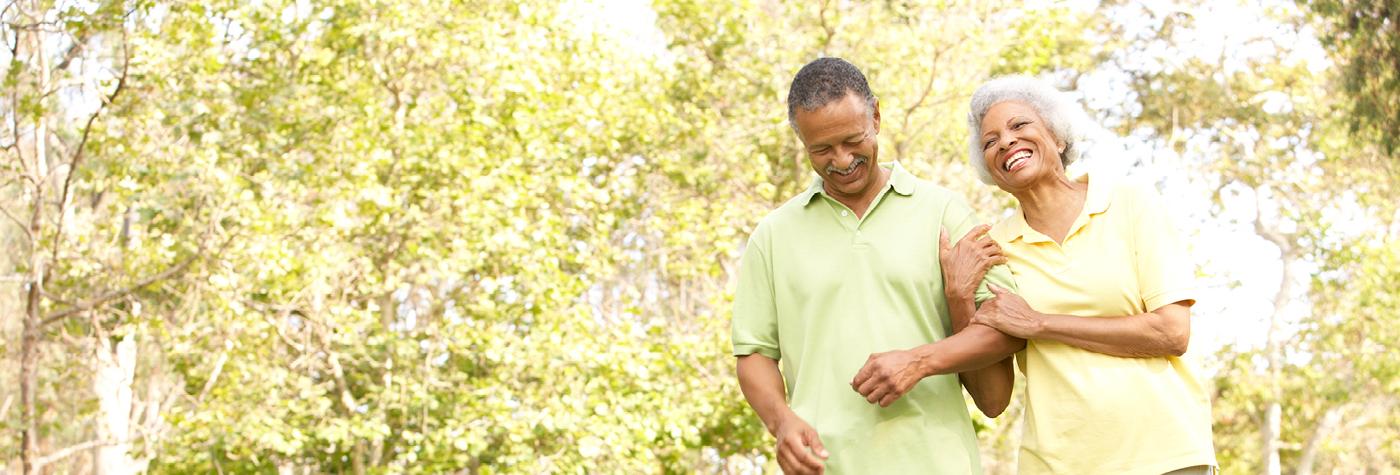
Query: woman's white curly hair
[[1061, 115]]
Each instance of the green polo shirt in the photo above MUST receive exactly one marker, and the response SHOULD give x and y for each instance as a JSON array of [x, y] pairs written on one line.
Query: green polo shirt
[[821, 290]]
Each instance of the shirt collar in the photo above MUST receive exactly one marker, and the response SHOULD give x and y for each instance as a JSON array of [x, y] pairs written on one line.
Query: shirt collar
[[900, 180], [1096, 202]]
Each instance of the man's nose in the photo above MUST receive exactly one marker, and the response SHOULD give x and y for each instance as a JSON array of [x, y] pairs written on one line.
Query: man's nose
[[844, 157]]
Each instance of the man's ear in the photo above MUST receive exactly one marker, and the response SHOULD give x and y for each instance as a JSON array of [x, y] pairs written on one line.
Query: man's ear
[[875, 115]]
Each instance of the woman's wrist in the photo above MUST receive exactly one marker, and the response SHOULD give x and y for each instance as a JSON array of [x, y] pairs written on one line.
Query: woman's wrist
[[1042, 328]]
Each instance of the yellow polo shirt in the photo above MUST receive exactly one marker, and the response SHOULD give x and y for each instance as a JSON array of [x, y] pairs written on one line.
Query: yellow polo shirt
[[1088, 412]]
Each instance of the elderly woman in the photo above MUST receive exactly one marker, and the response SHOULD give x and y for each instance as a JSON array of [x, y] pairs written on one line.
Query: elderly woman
[[1105, 298]]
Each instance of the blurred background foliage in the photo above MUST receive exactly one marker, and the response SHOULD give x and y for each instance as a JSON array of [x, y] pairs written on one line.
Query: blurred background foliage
[[382, 236]]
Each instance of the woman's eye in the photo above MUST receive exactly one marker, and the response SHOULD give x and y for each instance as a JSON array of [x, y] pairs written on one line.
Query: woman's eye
[[988, 144], [1019, 125]]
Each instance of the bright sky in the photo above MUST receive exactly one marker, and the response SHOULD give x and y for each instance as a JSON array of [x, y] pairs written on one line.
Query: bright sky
[[1240, 272]]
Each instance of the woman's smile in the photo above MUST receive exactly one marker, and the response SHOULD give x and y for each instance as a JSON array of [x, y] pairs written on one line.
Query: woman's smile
[[1016, 159]]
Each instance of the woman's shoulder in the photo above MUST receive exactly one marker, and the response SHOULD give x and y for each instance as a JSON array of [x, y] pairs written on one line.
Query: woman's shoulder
[[1134, 193]]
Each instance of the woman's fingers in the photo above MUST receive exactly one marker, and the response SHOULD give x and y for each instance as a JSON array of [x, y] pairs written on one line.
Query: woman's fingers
[[989, 244], [977, 232]]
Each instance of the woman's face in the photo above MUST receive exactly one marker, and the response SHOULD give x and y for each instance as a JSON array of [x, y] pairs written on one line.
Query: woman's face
[[1018, 147]]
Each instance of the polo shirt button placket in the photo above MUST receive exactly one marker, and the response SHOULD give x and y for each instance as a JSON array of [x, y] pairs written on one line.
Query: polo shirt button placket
[[1065, 261]]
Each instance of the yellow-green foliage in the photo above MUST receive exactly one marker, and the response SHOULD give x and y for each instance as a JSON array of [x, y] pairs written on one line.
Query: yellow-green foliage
[[423, 236]]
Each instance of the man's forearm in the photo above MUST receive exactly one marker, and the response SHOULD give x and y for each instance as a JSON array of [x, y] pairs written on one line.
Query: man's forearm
[[975, 347], [980, 354], [978, 358], [763, 388]]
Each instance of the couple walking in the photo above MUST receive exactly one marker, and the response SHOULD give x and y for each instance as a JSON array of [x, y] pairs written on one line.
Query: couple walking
[[868, 301]]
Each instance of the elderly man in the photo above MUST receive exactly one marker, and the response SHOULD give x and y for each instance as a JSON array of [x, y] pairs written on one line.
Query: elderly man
[[843, 285]]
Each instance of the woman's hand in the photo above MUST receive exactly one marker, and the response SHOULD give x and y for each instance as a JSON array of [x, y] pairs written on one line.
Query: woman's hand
[[1010, 314], [966, 264]]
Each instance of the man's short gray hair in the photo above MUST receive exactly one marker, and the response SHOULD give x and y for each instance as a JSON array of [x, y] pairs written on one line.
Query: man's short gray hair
[[1061, 115], [826, 80]]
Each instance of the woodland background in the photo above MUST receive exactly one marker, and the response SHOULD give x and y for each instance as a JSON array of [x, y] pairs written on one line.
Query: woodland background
[[374, 236]]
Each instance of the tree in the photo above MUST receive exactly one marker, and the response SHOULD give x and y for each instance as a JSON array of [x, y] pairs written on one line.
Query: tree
[[362, 236], [1364, 42], [93, 249], [1260, 127]]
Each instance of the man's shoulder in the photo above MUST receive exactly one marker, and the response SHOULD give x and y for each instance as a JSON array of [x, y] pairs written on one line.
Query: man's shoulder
[[792, 209], [936, 192], [784, 215]]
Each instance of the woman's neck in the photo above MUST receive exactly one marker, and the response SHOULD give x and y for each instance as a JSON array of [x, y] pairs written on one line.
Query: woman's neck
[[1051, 206]]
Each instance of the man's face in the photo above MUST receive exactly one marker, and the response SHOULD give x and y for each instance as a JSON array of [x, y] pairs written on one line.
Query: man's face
[[841, 143]]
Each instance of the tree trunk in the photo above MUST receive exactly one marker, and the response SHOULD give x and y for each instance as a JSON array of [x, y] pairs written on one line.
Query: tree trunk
[[33, 316], [1273, 416], [28, 360], [116, 370], [1324, 427], [1273, 412]]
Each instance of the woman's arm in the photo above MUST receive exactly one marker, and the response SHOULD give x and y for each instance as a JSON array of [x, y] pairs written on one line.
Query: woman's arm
[[981, 356], [1165, 331], [978, 353]]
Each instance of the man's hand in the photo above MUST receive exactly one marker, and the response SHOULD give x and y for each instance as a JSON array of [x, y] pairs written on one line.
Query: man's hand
[[1010, 314], [966, 264], [887, 376], [800, 451]]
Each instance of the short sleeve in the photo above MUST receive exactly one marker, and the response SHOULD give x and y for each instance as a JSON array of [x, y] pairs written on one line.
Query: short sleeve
[[1165, 271], [755, 323], [959, 219]]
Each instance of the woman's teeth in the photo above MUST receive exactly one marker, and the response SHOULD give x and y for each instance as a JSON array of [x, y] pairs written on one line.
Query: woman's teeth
[[1015, 159]]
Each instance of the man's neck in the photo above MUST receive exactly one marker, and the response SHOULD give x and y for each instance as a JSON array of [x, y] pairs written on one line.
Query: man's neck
[[860, 204]]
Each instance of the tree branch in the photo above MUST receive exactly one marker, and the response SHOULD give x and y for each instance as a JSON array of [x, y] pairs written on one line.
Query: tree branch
[[78, 153], [28, 236], [214, 375], [72, 449], [102, 299], [72, 52]]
